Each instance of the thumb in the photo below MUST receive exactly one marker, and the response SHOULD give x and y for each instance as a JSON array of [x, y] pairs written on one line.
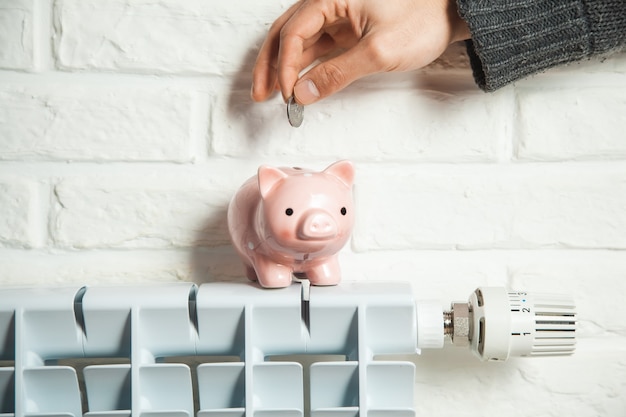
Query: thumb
[[333, 75]]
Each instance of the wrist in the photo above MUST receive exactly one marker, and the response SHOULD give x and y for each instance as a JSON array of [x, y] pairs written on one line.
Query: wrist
[[459, 27]]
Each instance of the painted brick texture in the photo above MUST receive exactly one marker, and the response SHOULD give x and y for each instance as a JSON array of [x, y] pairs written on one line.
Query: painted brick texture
[[16, 34], [417, 116], [493, 207], [126, 126], [566, 124], [19, 202], [153, 210], [88, 123], [166, 36]]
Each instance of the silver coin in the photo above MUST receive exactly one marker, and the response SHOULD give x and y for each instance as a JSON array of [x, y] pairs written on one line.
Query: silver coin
[[295, 112]]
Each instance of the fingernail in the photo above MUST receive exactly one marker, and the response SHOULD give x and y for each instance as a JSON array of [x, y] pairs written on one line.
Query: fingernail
[[306, 92]]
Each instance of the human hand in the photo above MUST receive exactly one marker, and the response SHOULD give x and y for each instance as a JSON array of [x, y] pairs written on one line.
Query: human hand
[[361, 37]]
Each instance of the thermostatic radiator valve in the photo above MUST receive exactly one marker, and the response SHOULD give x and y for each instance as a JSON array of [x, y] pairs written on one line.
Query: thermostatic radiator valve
[[496, 323]]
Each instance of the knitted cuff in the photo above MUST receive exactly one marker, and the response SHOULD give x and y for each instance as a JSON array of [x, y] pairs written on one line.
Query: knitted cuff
[[512, 39], [607, 21]]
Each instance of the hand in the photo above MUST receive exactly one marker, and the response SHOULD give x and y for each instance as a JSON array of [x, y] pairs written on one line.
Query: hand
[[359, 37]]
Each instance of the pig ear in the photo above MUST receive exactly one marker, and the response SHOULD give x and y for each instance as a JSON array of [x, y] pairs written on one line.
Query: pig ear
[[268, 178], [343, 170]]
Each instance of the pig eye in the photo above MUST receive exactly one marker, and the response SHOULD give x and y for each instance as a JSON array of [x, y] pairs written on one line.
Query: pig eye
[[289, 212], [343, 211]]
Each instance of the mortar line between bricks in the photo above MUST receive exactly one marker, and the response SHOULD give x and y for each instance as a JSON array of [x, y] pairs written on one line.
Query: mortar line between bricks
[[54, 251], [408, 165], [102, 79]]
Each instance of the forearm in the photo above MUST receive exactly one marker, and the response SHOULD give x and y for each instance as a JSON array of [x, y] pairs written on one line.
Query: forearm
[[512, 39]]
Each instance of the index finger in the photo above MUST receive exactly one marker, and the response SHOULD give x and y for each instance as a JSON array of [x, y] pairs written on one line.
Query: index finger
[[305, 24], [264, 71]]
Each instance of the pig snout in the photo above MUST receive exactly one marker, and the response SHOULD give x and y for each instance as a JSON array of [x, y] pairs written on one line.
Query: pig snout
[[317, 225]]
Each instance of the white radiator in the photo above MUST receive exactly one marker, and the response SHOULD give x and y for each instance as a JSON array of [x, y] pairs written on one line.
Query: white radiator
[[134, 345]]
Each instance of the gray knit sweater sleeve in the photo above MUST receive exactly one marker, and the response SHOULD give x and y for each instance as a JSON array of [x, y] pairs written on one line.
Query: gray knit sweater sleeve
[[512, 39]]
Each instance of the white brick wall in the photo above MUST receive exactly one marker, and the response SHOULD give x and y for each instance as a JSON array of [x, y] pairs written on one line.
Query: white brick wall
[[16, 34], [89, 122], [125, 127]]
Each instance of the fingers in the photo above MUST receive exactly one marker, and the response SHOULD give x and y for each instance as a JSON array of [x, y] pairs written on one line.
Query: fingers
[[302, 30], [294, 41], [399, 35], [264, 76], [335, 74], [264, 73], [263, 81]]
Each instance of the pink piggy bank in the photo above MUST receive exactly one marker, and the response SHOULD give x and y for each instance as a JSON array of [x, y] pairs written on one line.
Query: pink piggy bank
[[291, 220]]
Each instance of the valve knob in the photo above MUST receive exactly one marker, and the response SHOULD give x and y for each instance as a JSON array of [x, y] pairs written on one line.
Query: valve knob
[[516, 323]]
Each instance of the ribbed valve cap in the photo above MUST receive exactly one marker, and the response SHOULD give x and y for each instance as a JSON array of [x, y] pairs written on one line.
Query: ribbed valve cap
[[517, 323]]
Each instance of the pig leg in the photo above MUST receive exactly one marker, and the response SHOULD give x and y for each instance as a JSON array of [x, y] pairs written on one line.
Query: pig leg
[[271, 274], [327, 273]]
